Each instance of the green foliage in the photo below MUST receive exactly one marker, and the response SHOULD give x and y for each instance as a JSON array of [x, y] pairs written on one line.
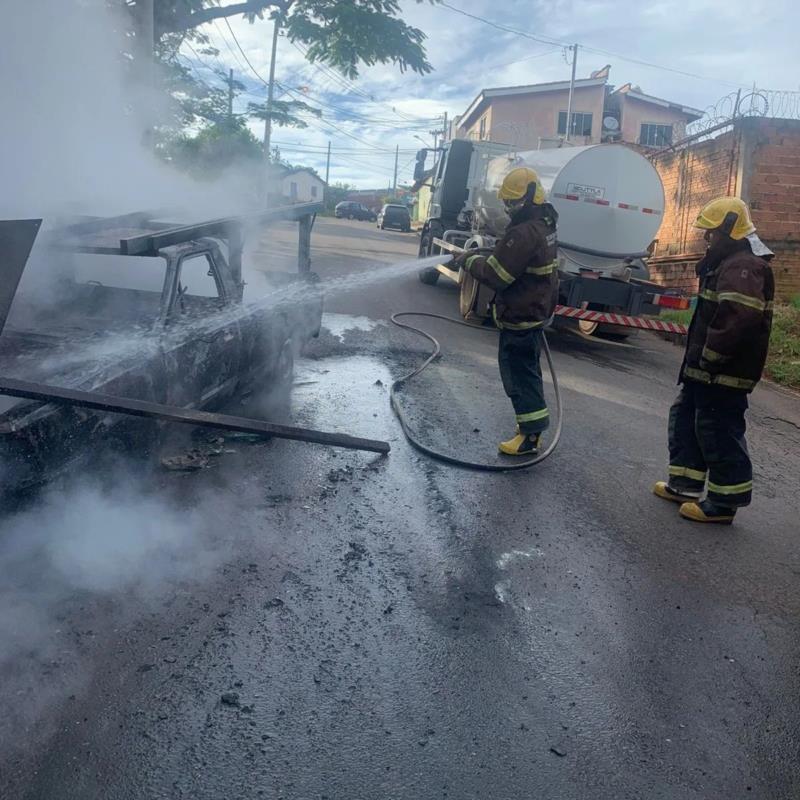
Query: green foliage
[[284, 112], [216, 148], [673, 315], [334, 194], [783, 363], [341, 33]]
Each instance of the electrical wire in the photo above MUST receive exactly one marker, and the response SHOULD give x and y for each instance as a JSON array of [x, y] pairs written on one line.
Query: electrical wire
[[587, 48]]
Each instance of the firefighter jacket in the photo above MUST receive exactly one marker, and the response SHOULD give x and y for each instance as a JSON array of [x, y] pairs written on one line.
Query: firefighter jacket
[[729, 334], [523, 270]]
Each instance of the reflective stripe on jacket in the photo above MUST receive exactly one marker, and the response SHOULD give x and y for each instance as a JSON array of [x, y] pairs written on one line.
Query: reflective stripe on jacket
[[729, 334], [523, 270]]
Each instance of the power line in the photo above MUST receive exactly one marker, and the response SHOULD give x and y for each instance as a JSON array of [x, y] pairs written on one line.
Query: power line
[[353, 88], [228, 45], [244, 55], [286, 89], [587, 48]]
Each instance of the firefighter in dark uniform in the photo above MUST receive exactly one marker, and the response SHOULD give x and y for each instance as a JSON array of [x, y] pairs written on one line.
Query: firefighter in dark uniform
[[523, 272], [725, 353]]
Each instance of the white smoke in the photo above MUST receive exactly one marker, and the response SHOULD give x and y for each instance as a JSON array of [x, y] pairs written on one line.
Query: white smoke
[[87, 538], [72, 133], [88, 556]]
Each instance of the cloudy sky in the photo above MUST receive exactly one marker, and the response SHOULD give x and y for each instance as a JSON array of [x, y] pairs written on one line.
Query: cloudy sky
[[722, 44]]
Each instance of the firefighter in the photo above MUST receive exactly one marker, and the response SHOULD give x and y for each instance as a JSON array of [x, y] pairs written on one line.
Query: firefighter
[[725, 353], [523, 272]]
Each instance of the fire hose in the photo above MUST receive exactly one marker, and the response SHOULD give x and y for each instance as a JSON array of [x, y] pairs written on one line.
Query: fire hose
[[437, 349]]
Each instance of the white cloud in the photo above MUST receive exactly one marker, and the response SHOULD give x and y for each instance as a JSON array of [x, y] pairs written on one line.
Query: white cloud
[[728, 43]]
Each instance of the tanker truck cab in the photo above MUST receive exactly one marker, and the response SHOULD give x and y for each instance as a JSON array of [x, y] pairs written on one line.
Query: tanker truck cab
[[458, 173], [610, 202]]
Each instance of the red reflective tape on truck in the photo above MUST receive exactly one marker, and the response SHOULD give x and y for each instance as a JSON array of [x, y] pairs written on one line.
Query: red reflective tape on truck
[[628, 206], [596, 201], [650, 211], [671, 301], [566, 196], [622, 320]]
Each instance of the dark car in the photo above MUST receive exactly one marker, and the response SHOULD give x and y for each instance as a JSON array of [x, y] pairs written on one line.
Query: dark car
[[394, 216], [350, 210], [174, 330]]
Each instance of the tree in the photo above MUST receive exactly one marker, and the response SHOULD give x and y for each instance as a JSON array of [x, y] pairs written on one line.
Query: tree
[[341, 33], [284, 112], [216, 148], [335, 193]]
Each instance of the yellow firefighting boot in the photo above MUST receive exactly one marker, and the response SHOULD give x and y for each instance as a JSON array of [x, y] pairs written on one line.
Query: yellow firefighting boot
[[663, 490], [521, 445], [708, 512]]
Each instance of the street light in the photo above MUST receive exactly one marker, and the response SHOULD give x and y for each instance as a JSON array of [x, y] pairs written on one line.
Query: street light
[[423, 141]]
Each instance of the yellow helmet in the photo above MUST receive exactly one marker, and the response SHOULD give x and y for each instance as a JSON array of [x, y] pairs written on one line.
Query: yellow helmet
[[515, 185], [728, 213]]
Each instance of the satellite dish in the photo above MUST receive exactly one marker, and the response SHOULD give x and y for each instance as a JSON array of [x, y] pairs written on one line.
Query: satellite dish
[[610, 123]]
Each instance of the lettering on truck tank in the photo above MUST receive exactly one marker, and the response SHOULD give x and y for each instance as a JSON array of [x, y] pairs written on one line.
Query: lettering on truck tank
[[584, 190]]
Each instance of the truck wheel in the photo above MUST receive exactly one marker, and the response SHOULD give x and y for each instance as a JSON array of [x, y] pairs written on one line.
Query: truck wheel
[[429, 276]]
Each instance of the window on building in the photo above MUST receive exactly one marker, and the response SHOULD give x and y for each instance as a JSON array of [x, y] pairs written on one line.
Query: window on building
[[653, 135], [313, 191], [293, 190], [581, 124], [482, 129]]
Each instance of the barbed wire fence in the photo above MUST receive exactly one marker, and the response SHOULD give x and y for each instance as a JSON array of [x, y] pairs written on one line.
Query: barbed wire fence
[[751, 103]]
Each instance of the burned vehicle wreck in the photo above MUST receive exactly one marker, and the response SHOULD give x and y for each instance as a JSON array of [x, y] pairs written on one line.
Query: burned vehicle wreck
[[172, 327]]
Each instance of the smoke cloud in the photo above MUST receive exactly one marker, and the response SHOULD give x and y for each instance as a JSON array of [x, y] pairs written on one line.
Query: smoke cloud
[[80, 547]]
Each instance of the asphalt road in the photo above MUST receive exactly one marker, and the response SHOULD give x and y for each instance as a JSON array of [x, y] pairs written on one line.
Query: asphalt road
[[297, 622]]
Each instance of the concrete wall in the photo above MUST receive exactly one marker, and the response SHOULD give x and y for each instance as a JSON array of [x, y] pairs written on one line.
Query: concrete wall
[[520, 120], [759, 161], [308, 188]]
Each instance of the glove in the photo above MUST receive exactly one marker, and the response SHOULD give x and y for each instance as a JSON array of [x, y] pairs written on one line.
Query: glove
[[460, 261]]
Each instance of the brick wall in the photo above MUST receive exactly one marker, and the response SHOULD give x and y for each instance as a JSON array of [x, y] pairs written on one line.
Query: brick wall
[[772, 187], [758, 160]]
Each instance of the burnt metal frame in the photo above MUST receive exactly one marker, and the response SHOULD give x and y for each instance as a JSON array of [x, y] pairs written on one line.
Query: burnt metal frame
[[160, 235], [141, 408]]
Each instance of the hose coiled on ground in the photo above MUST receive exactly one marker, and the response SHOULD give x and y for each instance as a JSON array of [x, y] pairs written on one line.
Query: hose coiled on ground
[[437, 349]]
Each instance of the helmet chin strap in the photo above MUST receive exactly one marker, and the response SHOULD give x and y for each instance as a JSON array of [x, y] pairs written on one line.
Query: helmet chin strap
[[728, 224]]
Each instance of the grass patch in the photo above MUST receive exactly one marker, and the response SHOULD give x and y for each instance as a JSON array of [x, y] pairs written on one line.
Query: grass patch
[[673, 315], [783, 361]]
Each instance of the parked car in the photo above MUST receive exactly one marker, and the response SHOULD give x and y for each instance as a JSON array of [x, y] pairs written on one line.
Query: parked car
[[394, 216], [347, 209]]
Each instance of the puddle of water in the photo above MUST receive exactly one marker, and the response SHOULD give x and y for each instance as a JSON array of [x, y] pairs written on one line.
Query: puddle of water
[[349, 394], [339, 324]]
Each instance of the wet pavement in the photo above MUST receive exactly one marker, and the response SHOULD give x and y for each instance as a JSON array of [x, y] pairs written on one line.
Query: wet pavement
[[299, 622]]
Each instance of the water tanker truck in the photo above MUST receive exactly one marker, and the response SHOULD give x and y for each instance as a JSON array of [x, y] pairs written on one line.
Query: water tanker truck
[[610, 202]]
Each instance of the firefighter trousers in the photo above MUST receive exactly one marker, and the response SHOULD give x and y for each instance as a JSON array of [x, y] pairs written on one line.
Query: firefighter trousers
[[706, 442], [518, 356]]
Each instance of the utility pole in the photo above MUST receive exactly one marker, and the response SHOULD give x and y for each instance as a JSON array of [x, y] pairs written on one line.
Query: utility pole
[[445, 137], [147, 43], [328, 163], [270, 93], [394, 183], [574, 49], [230, 96]]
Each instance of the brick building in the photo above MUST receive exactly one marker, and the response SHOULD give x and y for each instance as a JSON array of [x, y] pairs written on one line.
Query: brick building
[[535, 116], [757, 159]]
